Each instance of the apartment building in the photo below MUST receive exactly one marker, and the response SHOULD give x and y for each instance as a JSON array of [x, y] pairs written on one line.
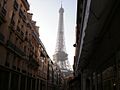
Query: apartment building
[[97, 58], [23, 57]]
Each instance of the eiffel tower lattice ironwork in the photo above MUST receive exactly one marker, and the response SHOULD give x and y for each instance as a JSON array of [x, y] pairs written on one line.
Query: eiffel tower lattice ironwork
[[61, 57]]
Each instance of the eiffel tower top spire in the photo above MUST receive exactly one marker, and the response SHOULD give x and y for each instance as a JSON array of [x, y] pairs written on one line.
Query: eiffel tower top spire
[[61, 3], [61, 9], [61, 57]]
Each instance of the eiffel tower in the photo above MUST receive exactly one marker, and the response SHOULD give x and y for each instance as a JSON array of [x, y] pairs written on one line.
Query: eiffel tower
[[61, 57]]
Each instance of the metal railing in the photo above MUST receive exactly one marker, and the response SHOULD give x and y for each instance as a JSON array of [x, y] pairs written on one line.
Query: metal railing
[[15, 49]]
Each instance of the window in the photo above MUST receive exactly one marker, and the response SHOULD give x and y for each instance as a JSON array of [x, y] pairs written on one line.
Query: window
[[15, 5], [24, 48], [18, 21], [26, 33], [18, 29], [12, 19], [22, 34], [16, 39], [20, 43], [21, 26]]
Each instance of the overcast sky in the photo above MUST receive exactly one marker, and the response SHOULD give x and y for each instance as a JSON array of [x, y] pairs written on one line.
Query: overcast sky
[[46, 14]]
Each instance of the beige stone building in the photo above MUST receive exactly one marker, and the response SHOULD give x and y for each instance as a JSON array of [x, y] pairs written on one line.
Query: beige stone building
[[23, 58]]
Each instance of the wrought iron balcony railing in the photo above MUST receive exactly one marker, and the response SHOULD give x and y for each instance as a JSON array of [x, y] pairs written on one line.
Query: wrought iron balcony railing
[[26, 57], [32, 62], [11, 45], [15, 5], [2, 15], [12, 25], [15, 49], [3, 12], [22, 15], [20, 33], [19, 51]]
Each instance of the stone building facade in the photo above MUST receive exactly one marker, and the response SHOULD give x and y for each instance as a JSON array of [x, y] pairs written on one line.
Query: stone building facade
[[24, 61], [97, 57], [55, 77]]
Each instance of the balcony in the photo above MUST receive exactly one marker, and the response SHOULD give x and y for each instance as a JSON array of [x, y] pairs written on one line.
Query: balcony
[[3, 12], [1, 38], [20, 33], [26, 4], [15, 49], [26, 58], [19, 52], [34, 34], [22, 15], [42, 74], [33, 63], [15, 5], [2, 15], [10, 45], [12, 25]]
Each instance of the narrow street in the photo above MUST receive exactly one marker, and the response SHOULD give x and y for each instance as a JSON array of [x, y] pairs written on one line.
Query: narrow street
[[25, 63]]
